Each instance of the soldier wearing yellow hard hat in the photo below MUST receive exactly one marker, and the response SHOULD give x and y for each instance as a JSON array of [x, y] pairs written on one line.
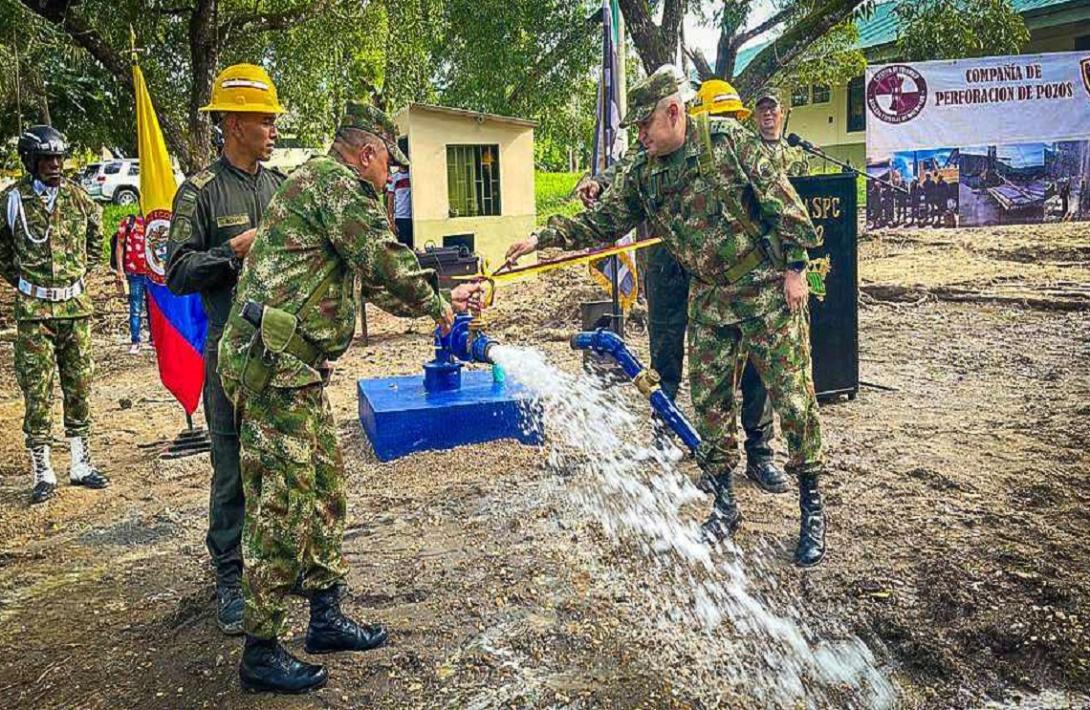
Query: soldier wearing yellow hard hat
[[717, 98], [216, 213]]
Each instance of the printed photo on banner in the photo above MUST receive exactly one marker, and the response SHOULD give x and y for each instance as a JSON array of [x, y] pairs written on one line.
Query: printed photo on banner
[[918, 188], [962, 143]]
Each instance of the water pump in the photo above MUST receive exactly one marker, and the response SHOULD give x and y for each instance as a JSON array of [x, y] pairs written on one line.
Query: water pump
[[606, 342], [464, 343]]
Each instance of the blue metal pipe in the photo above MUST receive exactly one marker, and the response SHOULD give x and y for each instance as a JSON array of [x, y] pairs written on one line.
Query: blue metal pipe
[[461, 344], [606, 342]]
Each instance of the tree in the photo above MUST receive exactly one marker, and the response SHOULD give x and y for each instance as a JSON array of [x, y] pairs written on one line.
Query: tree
[[952, 29], [794, 28], [530, 58], [184, 44]]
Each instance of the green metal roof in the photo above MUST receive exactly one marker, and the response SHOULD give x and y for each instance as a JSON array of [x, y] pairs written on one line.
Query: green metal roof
[[881, 27]]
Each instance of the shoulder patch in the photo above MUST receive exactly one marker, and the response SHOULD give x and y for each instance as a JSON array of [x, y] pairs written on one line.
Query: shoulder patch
[[187, 203], [180, 229]]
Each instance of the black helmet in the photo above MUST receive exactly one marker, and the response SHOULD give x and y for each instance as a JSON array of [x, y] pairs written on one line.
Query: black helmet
[[39, 141]]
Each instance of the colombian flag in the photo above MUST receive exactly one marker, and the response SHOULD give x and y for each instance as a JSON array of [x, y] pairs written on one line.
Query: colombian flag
[[178, 323]]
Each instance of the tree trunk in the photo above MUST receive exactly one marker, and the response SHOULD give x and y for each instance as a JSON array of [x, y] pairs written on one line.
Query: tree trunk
[[793, 42], [203, 53], [655, 45]]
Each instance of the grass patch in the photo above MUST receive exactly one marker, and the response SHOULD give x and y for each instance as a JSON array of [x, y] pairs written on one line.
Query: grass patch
[[111, 217], [553, 193]]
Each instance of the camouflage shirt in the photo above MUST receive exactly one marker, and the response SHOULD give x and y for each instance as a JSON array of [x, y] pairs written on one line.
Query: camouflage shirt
[[323, 216], [54, 249], [792, 161], [710, 218], [210, 208]]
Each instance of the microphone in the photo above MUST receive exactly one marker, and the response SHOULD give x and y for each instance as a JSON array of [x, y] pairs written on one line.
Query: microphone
[[794, 140]]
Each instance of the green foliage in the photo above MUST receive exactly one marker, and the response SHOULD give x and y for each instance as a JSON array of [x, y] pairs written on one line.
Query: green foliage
[[828, 61], [111, 217], [952, 29], [553, 194]]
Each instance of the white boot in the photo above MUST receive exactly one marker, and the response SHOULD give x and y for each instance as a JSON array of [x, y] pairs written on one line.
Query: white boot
[[82, 472], [45, 480]]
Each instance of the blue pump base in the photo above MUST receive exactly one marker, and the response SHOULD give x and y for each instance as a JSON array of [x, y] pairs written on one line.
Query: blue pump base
[[400, 417]]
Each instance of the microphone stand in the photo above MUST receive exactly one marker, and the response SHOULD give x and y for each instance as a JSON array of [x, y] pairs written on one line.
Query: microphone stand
[[793, 140]]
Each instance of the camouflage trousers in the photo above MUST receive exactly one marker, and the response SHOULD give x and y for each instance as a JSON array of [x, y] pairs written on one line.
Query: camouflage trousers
[[778, 345], [42, 348], [293, 485]]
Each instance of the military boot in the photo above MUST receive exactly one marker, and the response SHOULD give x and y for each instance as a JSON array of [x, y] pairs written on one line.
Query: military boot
[[266, 667], [811, 547], [45, 480], [332, 631], [229, 606], [767, 475], [725, 517], [82, 472]]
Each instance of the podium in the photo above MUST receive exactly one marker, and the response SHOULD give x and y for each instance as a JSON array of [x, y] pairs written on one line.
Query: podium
[[834, 322]]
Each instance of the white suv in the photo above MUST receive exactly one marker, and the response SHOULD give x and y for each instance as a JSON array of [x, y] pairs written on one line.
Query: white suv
[[116, 181]]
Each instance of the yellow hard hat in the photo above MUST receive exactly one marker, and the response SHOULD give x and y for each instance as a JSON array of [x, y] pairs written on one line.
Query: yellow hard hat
[[716, 96], [244, 88]]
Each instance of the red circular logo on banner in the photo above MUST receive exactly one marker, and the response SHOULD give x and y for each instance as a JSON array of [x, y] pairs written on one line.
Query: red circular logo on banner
[[897, 94], [156, 234]]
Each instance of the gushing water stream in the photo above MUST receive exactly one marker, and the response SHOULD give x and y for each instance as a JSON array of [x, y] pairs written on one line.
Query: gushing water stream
[[710, 613]]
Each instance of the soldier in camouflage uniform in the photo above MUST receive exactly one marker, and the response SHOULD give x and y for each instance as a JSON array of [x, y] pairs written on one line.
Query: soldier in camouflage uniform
[[215, 215], [294, 312], [50, 236], [668, 317], [737, 226], [791, 160]]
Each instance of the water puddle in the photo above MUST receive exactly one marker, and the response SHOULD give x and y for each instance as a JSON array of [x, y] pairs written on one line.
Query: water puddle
[[717, 627]]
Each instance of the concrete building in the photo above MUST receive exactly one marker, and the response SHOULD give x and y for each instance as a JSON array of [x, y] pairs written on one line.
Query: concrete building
[[835, 117], [472, 177]]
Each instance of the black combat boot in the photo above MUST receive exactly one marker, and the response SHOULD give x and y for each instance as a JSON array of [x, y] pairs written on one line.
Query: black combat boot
[[331, 631], [767, 475], [725, 517], [811, 547], [229, 606], [267, 668]]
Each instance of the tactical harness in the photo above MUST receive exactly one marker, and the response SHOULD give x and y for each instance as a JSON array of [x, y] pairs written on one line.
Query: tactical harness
[[276, 331], [769, 247]]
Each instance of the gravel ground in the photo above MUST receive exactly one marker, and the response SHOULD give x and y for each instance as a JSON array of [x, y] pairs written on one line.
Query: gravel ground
[[957, 493]]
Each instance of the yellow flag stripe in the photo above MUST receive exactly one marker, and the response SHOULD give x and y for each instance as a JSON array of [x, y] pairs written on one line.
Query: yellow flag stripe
[[157, 184]]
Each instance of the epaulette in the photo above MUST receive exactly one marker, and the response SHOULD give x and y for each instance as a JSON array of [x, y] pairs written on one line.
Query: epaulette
[[204, 177]]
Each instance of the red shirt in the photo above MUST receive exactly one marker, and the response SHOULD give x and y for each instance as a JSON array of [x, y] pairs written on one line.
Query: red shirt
[[130, 234]]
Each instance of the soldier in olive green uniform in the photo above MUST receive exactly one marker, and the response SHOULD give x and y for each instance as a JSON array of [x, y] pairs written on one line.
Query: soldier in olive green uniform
[[791, 160], [215, 214], [50, 235], [295, 312], [737, 226]]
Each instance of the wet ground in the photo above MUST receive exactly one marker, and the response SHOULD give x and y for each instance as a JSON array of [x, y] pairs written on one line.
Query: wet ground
[[958, 489]]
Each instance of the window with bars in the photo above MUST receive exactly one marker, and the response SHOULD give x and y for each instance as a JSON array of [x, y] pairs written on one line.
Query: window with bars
[[800, 96], [473, 180], [820, 94]]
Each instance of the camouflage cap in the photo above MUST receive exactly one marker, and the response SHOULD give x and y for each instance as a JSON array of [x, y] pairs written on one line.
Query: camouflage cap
[[363, 116], [769, 93], [646, 94]]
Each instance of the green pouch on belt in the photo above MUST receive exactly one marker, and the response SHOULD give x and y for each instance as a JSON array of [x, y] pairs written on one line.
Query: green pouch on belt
[[277, 329], [260, 365]]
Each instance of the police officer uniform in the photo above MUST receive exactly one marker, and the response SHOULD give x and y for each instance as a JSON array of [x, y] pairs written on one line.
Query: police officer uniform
[[211, 208]]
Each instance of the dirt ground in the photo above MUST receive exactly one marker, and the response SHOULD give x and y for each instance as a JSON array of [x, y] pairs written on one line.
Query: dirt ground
[[958, 490]]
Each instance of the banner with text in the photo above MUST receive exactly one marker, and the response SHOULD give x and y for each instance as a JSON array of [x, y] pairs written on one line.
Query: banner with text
[[975, 142]]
